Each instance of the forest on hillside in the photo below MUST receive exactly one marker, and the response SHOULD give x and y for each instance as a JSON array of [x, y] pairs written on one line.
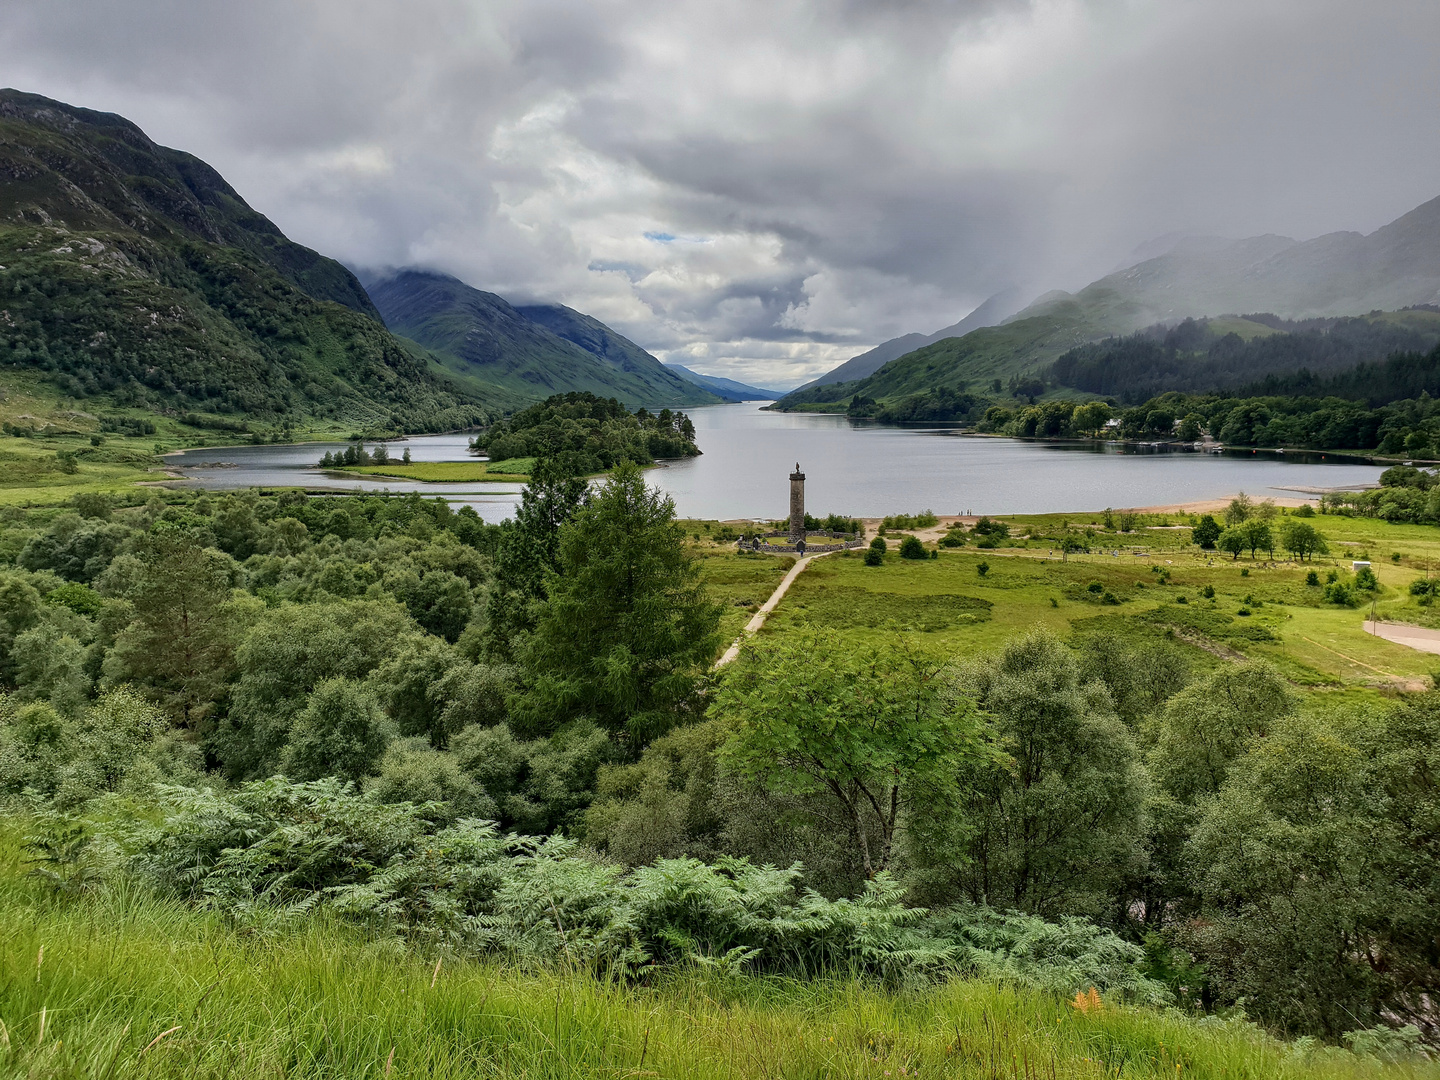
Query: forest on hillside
[[210, 333], [1297, 358], [1320, 414]]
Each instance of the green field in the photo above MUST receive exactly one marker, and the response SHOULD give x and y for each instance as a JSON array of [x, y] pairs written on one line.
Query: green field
[[958, 611]]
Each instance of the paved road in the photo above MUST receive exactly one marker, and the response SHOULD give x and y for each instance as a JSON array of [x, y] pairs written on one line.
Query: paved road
[[1416, 637]]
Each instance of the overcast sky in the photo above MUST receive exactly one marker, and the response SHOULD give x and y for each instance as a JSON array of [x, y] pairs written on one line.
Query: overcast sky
[[764, 189]]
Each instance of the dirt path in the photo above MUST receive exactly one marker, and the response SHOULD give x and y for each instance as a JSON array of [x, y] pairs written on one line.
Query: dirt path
[[758, 619]]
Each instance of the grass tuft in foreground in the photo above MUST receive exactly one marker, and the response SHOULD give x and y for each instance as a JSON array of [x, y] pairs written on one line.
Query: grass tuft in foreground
[[122, 984]]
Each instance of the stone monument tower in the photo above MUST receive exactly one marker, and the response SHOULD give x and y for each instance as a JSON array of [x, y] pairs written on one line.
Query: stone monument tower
[[797, 504]]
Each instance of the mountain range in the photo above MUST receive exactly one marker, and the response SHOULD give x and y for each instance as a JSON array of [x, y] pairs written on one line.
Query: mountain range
[[135, 278], [1343, 273], [728, 389]]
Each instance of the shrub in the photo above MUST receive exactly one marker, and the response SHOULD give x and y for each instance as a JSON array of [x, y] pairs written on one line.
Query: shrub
[[341, 732], [1312, 578], [878, 544], [874, 557], [412, 772], [912, 548], [911, 521], [277, 849], [982, 568], [1340, 592], [1063, 958]]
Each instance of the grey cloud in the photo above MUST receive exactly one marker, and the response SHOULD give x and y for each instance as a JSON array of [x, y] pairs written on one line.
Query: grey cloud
[[844, 172]]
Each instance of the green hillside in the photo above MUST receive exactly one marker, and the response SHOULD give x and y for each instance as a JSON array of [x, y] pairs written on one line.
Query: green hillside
[[92, 170], [135, 278], [1017, 347], [1066, 350], [535, 352]]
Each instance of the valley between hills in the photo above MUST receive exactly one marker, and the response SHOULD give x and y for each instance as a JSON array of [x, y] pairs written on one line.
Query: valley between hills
[[354, 783]]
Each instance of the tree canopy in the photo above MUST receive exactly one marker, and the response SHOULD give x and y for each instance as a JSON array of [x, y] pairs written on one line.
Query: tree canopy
[[872, 730], [626, 630]]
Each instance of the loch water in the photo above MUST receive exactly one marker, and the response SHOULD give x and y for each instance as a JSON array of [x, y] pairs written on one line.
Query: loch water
[[857, 468]]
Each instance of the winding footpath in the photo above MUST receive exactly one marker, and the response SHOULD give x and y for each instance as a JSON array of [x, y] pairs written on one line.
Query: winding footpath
[[758, 620]]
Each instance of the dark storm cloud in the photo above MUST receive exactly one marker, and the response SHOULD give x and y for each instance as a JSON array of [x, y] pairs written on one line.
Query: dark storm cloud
[[827, 174]]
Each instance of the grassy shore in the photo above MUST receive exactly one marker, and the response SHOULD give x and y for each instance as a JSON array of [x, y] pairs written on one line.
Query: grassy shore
[[122, 984], [449, 472]]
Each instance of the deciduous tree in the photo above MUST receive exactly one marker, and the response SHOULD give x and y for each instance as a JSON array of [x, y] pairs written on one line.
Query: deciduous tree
[[1232, 540], [1055, 827], [1301, 539], [812, 715], [1206, 533]]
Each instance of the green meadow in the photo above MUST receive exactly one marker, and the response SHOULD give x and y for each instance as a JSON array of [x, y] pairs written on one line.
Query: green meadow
[[448, 472], [1151, 581]]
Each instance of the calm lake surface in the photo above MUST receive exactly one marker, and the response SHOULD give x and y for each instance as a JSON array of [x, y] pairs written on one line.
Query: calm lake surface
[[855, 468]]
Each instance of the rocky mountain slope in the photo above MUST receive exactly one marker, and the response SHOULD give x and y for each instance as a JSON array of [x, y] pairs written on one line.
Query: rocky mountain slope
[[134, 277]]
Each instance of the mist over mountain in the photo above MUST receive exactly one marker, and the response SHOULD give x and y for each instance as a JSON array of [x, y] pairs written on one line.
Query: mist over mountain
[[992, 311], [1337, 274], [534, 351], [1341, 273]]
